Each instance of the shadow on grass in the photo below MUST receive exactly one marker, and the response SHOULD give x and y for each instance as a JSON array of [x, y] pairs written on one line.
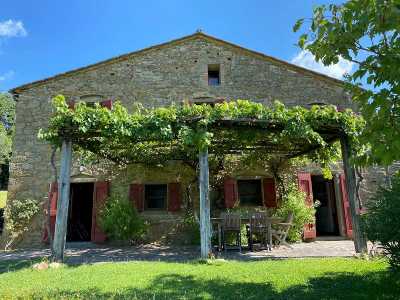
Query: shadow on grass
[[373, 285], [16, 265]]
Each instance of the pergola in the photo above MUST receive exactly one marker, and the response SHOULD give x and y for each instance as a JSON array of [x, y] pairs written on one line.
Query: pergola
[[259, 130]]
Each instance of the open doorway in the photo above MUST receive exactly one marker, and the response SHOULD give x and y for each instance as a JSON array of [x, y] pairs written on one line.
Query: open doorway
[[326, 215], [80, 212]]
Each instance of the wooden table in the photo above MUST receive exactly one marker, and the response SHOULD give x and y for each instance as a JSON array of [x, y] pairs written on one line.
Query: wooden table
[[246, 221]]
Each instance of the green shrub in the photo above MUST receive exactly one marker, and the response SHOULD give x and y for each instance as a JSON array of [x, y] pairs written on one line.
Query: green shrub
[[18, 215], [191, 228], [121, 221], [294, 201], [381, 222]]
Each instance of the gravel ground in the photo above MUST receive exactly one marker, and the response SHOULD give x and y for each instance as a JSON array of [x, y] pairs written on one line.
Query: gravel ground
[[78, 253]]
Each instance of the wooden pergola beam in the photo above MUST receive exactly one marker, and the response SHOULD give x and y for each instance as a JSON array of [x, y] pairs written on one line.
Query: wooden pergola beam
[[360, 241], [63, 201], [205, 221]]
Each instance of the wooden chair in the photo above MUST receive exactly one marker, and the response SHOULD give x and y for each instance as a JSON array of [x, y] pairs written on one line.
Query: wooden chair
[[260, 225], [231, 223], [280, 232]]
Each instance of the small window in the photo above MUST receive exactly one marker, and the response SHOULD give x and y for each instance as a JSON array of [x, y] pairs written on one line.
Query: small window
[[155, 196], [250, 192], [214, 75]]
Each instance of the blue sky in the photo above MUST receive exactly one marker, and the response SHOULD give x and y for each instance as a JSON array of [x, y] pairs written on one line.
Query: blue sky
[[42, 38]]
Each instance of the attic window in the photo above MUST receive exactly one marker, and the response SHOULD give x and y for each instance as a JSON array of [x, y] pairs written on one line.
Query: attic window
[[214, 75]]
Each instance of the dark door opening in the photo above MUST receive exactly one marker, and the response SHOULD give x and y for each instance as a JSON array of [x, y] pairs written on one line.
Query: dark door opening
[[326, 215], [80, 212]]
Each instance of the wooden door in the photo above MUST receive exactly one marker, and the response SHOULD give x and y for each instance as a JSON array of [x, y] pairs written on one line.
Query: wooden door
[[53, 198], [101, 192], [305, 185], [346, 206]]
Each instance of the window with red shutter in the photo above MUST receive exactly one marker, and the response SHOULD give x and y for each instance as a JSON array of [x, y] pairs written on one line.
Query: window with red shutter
[[136, 195], [269, 192], [71, 104], [230, 192], [174, 196], [155, 196], [249, 192], [107, 103]]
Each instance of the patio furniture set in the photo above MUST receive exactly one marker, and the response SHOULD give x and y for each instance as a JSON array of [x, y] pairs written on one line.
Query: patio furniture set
[[259, 227]]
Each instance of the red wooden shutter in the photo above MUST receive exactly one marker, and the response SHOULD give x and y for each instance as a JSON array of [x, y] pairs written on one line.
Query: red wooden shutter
[[346, 206], [53, 197], [101, 192], [305, 185], [107, 103], [269, 192], [174, 196], [230, 192], [71, 104], [136, 195]]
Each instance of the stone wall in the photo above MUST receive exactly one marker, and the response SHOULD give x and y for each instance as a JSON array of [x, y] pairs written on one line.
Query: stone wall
[[159, 76]]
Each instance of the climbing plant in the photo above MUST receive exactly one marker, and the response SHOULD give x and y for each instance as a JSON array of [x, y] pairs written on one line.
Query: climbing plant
[[157, 135]]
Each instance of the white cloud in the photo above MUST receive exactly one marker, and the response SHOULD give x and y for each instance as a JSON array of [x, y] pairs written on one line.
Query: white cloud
[[307, 60], [12, 28], [6, 76]]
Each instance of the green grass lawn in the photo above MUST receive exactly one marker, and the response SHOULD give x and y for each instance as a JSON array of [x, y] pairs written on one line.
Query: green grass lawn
[[278, 279], [3, 197]]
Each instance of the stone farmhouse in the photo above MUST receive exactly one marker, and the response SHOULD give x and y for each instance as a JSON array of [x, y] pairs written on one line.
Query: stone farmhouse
[[198, 68]]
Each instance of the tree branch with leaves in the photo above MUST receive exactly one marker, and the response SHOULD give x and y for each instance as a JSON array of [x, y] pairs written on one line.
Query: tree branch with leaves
[[365, 32]]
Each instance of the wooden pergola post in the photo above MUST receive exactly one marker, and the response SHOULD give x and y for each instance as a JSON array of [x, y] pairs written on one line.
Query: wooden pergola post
[[205, 222], [63, 201], [360, 241]]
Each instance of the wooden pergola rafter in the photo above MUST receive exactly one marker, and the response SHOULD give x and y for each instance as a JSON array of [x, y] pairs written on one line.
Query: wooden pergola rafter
[[96, 142], [122, 150]]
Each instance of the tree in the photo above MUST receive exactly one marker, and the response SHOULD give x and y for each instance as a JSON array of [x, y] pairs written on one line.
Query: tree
[[365, 32], [381, 223], [7, 116]]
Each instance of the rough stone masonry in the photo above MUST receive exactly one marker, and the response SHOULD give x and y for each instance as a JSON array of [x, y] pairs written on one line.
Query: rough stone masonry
[[172, 72]]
